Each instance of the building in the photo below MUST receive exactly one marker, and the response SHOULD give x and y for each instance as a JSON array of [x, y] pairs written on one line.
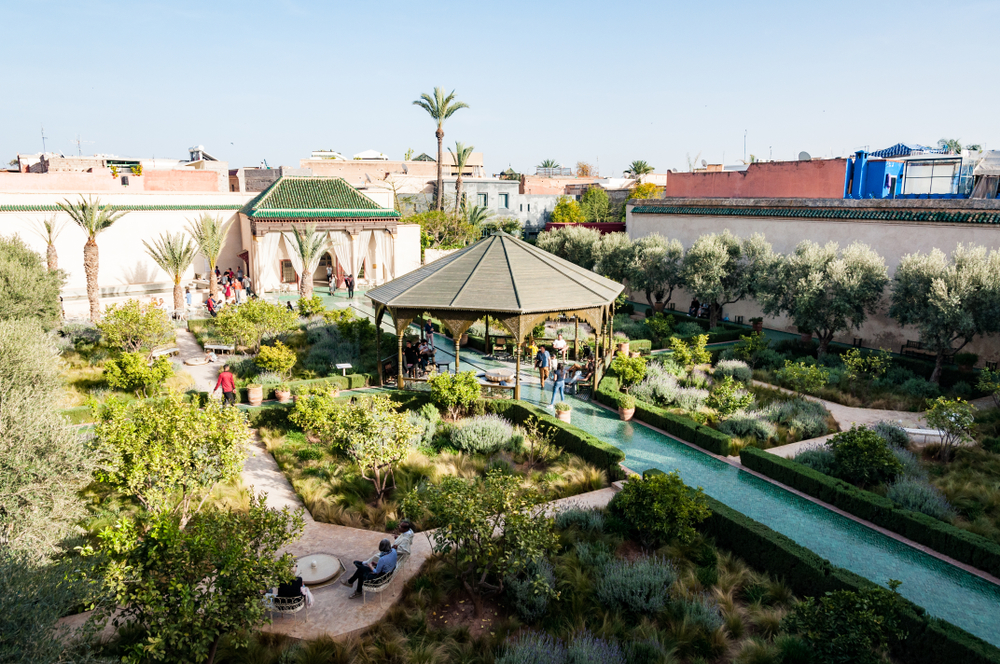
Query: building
[[907, 171], [807, 178]]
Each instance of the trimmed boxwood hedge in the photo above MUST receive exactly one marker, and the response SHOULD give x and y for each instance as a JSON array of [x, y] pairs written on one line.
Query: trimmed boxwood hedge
[[679, 426], [929, 640], [962, 545]]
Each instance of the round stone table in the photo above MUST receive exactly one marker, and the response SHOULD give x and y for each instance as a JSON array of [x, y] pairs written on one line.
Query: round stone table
[[318, 568], [499, 375]]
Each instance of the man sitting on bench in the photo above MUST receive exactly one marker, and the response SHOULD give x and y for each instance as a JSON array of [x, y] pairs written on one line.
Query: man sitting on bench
[[368, 570]]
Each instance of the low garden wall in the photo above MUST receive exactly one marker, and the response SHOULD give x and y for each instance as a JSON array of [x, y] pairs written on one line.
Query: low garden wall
[[962, 545]]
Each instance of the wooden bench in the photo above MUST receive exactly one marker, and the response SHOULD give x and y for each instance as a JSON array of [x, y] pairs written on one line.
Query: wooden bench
[[222, 348], [173, 350], [915, 349]]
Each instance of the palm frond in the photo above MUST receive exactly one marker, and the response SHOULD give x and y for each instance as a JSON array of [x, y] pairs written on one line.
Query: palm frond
[[440, 106], [49, 229], [172, 252], [91, 216], [209, 234], [310, 245], [460, 155]]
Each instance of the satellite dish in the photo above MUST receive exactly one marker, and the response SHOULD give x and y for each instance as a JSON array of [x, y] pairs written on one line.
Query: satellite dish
[[804, 156], [704, 164]]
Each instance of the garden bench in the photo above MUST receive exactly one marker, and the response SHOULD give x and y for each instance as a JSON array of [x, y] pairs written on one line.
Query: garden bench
[[222, 348], [381, 584], [173, 350], [923, 436], [285, 605], [574, 388], [915, 349]]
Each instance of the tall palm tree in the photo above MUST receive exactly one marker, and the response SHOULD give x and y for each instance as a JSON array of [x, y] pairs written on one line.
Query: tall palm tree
[[549, 163], [173, 253], [440, 107], [638, 168], [460, 155], [311, 247], [94, 219], [49, 230], [209, 234]]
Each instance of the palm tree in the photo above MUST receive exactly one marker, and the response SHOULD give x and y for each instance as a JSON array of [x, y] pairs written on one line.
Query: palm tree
[[94, 219], [637, 169], [478, 215], [311, 247], [49, 230], [460, 156], [952, 145], [209, 234], [440, 107], [174, 254], [549, 163]]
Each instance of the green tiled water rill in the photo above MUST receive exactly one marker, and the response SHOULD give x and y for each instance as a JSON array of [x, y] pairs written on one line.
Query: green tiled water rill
[[946, 591]]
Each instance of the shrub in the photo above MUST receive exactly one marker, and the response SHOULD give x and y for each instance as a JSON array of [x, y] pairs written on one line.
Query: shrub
[[955, 419], [133, 326], [253, 321], [802, 377], [584, 648], [687, 329], [691, 353], [595, 554], [630, 370], [690, 398], [893, 434], [743, 424], [820, 459], [769, 359], [588, 520], [920, 495], [310, 306], [738, 369], [750, 348], [626, 401], [132, 372], [805, 418], [534, 648], [530, 590], [483, 434], [426, 428], [310, 453], [637, 586], [268, 378], [727, 398], [659, 387], [703, 611], [660, 326], [918, 387], [454, 393], [243, 367], [863, 458], [661, 508], [278, 358]]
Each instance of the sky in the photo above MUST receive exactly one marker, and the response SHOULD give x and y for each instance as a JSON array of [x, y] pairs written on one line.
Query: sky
[[605, 83]]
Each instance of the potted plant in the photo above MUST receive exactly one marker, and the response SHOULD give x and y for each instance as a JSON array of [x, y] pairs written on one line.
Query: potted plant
[[659, 304], [806, 335], [255, 394], [563, 411], [623, 347], [757, 324], [283, 393], [966, 361], [626, 406]]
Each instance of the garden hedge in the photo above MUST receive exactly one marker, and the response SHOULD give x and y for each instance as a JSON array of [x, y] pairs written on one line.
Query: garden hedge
[[962, 545], [572, 439], [679, 426], [929, 640]]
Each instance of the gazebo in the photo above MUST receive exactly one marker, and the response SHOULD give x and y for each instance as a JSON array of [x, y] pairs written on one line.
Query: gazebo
[[502, 277]]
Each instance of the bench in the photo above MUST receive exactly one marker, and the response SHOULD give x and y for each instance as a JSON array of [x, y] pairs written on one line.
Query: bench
[[381, 584], [915, 349], [173, 350], [285, 605], [222, 348]]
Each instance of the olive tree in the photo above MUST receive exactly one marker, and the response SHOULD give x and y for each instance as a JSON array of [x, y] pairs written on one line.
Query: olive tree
[[824, 289], [614, 255], [27, 288], [254, 320], [950, 300], [573, 243], [657, 267], [722, 269]]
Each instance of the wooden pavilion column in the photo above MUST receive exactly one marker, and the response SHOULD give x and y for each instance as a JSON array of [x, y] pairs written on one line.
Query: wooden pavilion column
[[517, 370], [458, 343], [400, 378], [597, 352], [379, 312], [487, 349]]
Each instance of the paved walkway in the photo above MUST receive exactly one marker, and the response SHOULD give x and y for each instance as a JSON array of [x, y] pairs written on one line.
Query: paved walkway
[[204, 375]]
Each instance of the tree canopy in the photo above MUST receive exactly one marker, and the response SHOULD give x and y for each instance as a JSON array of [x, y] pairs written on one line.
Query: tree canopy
[[132, 326], [595, 205], [441, 230], [254, 320], [613, 256], [27, 288], [567, 211], [721, 269], [573, 243], [657, 268]]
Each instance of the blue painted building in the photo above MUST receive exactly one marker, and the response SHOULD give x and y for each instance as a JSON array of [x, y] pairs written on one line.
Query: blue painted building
[[909, 171], [866, 177]]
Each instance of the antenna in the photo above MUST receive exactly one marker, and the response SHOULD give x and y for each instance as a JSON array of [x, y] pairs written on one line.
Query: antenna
[[43, 138], [79, 145]]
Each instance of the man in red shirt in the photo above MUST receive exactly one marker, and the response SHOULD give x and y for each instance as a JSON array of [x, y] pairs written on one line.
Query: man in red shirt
[[228, 383]]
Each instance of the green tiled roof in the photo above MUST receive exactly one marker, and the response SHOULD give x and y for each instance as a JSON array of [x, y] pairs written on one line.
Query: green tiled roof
[[313, 197], [870, 214], [123, 208]]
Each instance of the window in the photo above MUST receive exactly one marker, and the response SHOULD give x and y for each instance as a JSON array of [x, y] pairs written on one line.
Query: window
[[482, 200], [932, 176], [529, 207], [505, 201], [521, 208], [287, 273], [326, 261]]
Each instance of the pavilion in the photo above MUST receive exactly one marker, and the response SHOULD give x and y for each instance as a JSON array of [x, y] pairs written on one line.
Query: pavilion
[[502, 277]]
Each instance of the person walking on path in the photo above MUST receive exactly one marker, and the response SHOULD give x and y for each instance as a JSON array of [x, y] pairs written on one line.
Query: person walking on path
[[542, 361], [329, 278], [228, 384], [238, 290], [349, 283], [559, 383]]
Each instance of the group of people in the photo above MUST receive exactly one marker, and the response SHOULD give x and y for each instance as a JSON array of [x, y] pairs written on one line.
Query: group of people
[[698, 309], [552, 364], [348, 282], [234, 288], [416, 358]]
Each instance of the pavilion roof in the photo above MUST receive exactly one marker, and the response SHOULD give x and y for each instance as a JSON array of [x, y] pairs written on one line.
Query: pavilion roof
[[500, 273], [313, 197]]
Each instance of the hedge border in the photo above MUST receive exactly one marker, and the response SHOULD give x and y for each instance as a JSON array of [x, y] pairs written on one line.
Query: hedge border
[[929, 640], [962, 545], [682, 427]]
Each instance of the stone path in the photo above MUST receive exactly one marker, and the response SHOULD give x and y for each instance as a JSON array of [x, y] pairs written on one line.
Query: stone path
[[204, 375]]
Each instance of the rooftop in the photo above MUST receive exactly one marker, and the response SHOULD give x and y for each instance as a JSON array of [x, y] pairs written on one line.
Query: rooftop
[[313, 197]]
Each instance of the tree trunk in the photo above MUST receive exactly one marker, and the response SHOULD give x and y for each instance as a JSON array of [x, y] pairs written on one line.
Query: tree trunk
[[213, 285], [178, 294], [213, 649], [713, 314], [440, 183], [306, 285], [649, 297], [824, 343], [938, 366], [51, 258], [458, 193], [477, 601], [90, 266]]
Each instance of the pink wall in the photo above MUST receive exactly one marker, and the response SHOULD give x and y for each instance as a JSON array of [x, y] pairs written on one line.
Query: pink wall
[[818, 178], [101, 181], [182, 180]]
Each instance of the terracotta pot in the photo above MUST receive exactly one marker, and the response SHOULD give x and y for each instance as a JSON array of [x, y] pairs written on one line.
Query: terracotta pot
[[255, 394], [464, 341], [563, 415], [658, 306], [636, 353], [283, 396], [623, 347], [806, 337], [626, 413], [757, 327]]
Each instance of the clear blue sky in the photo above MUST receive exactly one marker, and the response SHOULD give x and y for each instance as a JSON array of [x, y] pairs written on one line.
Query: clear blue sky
[[601, 82]]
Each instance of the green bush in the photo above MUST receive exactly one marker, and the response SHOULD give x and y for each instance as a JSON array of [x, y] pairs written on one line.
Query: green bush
[[587, 520], [454, 392], [310, 306], [919, 495], [941, 536], [660, 508], [863, 458], [918, 387], [744, 424], [727, 397], [277, 357], [630, 370], [802, 377], [737, 369], [132, 372], [594, 554], [529, 590], [893, 434], [819, 459], [640, 586], [690, 353], [703, 611], [483, 434]]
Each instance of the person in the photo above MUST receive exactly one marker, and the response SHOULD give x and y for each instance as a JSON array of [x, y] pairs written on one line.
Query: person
[[429, 331], [295, 588], [210, 356], [229, 292], [559, 382], [693, 309], [427, 355], [559, 346], [246, 287], [542, 360], [405, 539], [210, 304], [367, 570], [239, 274], [329, 276], [349, 283], [289, 305], [410, 359], [187, 296], [218, 273], [228, 384], [238, 290]]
